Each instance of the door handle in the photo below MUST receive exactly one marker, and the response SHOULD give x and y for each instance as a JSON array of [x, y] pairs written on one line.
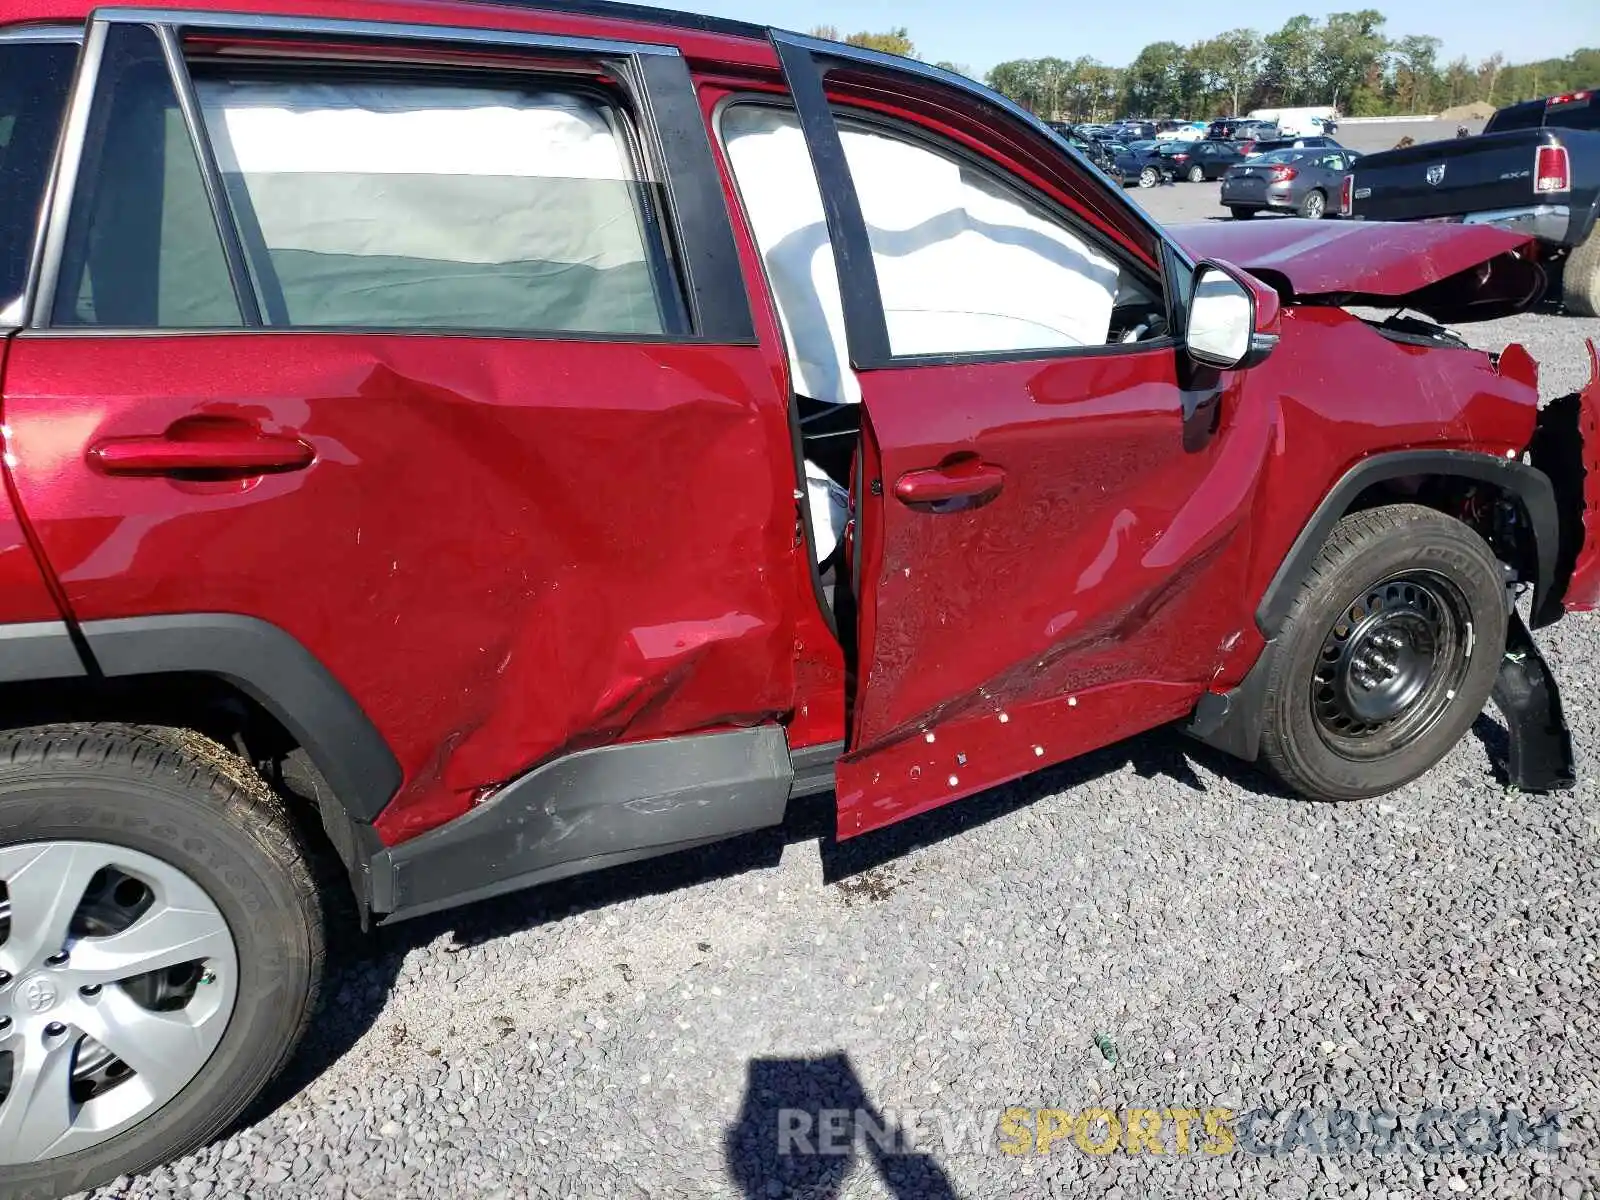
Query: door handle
[[954, 487], [210, 445]]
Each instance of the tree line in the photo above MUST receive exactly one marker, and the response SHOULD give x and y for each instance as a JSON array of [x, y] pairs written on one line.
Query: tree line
[[1346, 60]]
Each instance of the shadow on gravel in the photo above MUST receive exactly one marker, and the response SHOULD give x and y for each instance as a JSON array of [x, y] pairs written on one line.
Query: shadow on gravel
[[362, 968], [804, 1124]]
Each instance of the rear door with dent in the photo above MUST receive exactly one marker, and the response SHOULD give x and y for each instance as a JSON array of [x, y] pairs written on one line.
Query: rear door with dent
[[520, 464]]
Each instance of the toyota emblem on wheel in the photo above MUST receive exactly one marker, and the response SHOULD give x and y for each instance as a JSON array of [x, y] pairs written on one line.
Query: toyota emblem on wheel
[[39, 995], [1436, 174]]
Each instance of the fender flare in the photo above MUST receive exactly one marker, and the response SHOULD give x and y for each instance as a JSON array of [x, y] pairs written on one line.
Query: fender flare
[[273, 668], [1529, 484]]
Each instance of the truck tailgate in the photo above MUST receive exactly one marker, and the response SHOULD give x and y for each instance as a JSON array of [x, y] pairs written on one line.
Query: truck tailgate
[[1448, 178]]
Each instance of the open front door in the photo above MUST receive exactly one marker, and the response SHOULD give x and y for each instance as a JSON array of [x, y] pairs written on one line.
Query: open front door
[[1049, 491]]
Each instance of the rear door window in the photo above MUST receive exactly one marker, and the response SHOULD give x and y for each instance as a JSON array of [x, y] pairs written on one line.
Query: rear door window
[[1579, 112], [35, 77], [437, 204]]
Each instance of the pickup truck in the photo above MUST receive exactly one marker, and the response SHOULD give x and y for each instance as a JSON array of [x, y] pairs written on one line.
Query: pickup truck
[[1535, 169], [411, 492]]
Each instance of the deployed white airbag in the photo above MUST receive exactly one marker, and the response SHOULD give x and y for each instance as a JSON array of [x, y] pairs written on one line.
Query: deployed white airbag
[[964, 265]]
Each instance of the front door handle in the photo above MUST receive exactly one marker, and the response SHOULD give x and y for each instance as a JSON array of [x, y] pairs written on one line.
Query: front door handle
[[224, 446], [953, 487]]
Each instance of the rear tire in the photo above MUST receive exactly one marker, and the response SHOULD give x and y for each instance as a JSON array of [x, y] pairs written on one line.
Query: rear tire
[[116, 817], [1580, 287], [1314, 205], [1241, 214], [1197, 174], [1387, 657]]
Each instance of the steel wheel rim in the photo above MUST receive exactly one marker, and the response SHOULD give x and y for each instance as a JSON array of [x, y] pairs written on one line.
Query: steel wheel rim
[[1390, 665], [119, 979]]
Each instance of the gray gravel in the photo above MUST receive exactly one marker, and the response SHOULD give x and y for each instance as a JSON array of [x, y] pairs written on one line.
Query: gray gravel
[[636, 1033]]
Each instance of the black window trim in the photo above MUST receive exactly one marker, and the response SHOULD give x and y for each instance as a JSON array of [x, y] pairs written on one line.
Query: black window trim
[[805, 62], [662, 96], [72, 35]]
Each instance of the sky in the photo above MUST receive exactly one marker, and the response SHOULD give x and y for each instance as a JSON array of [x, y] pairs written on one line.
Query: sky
[[980, 33]]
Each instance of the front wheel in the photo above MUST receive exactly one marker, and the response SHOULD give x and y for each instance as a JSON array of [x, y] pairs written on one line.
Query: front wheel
[[162, 949], [1197, 174], [1387, 657], [1149, 177]]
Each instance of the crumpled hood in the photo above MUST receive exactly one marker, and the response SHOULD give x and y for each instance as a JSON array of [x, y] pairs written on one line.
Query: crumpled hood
[[1450, 272]]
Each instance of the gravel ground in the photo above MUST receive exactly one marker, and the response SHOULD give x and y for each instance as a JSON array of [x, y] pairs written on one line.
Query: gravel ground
[[639, 1032]]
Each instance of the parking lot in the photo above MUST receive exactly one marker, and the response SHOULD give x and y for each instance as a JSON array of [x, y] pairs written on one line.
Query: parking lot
[[1151, 927]]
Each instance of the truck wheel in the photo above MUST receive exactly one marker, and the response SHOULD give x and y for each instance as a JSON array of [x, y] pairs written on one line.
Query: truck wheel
[[161, 952], [1149, 177], [1387, 656], [1241, 214], [1580, 288], [1314, 205]]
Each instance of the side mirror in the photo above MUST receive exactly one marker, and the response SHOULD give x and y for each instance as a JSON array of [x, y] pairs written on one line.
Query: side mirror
[[1232, 318]]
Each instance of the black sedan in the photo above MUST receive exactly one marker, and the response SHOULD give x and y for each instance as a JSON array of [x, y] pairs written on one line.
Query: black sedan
[[1305, 182], [1197, 161], [1140, 162]]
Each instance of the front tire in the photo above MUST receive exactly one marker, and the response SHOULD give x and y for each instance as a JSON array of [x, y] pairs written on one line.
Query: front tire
[[162, 953], [1387, 657]]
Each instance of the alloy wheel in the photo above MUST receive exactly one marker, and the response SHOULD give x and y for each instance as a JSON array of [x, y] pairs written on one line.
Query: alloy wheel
[[1197, 174], [1314, 207], [118, 976], [1149, 177]]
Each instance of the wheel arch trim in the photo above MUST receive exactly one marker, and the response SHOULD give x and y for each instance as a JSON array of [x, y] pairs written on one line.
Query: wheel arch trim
[[1530, 485], [276, 670]]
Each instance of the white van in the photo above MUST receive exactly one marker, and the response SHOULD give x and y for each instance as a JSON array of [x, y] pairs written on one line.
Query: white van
[[1298, 122]]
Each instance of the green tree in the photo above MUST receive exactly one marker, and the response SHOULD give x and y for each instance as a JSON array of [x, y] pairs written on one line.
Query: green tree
[[1415, 71], [1230, 64], [1289, 63], [895, 41], [1351, 44]]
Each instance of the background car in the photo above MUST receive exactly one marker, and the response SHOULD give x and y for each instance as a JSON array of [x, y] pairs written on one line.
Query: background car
[[1197, 161], [1268, 145], [1305, 182]]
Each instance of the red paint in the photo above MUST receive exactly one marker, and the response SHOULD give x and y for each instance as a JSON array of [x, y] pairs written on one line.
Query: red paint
[[507, 549], [504, 549], [1583, 590], [1319, 258]]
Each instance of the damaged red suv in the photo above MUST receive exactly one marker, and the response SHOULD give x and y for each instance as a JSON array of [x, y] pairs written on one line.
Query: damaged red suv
[[472, 444]]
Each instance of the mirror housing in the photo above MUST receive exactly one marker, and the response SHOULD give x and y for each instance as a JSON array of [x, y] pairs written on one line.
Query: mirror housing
[[1232, 319]]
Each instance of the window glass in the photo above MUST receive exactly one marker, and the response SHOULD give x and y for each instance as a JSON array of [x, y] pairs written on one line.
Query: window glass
[[142, 248], [965, 264], [34, 79], [422, 204]]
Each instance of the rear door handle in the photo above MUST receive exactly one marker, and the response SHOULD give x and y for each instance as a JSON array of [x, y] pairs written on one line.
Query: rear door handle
[[212, 445], [954, 487]]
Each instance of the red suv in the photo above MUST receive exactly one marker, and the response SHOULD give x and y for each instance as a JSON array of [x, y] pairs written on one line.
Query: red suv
[[474, 444]]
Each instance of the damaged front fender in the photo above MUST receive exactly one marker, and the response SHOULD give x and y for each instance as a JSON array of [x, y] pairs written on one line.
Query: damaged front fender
[[1566, 447]]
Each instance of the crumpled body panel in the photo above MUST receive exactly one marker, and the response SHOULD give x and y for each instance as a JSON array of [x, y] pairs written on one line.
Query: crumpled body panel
[[1452, 272], [506, 548]]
